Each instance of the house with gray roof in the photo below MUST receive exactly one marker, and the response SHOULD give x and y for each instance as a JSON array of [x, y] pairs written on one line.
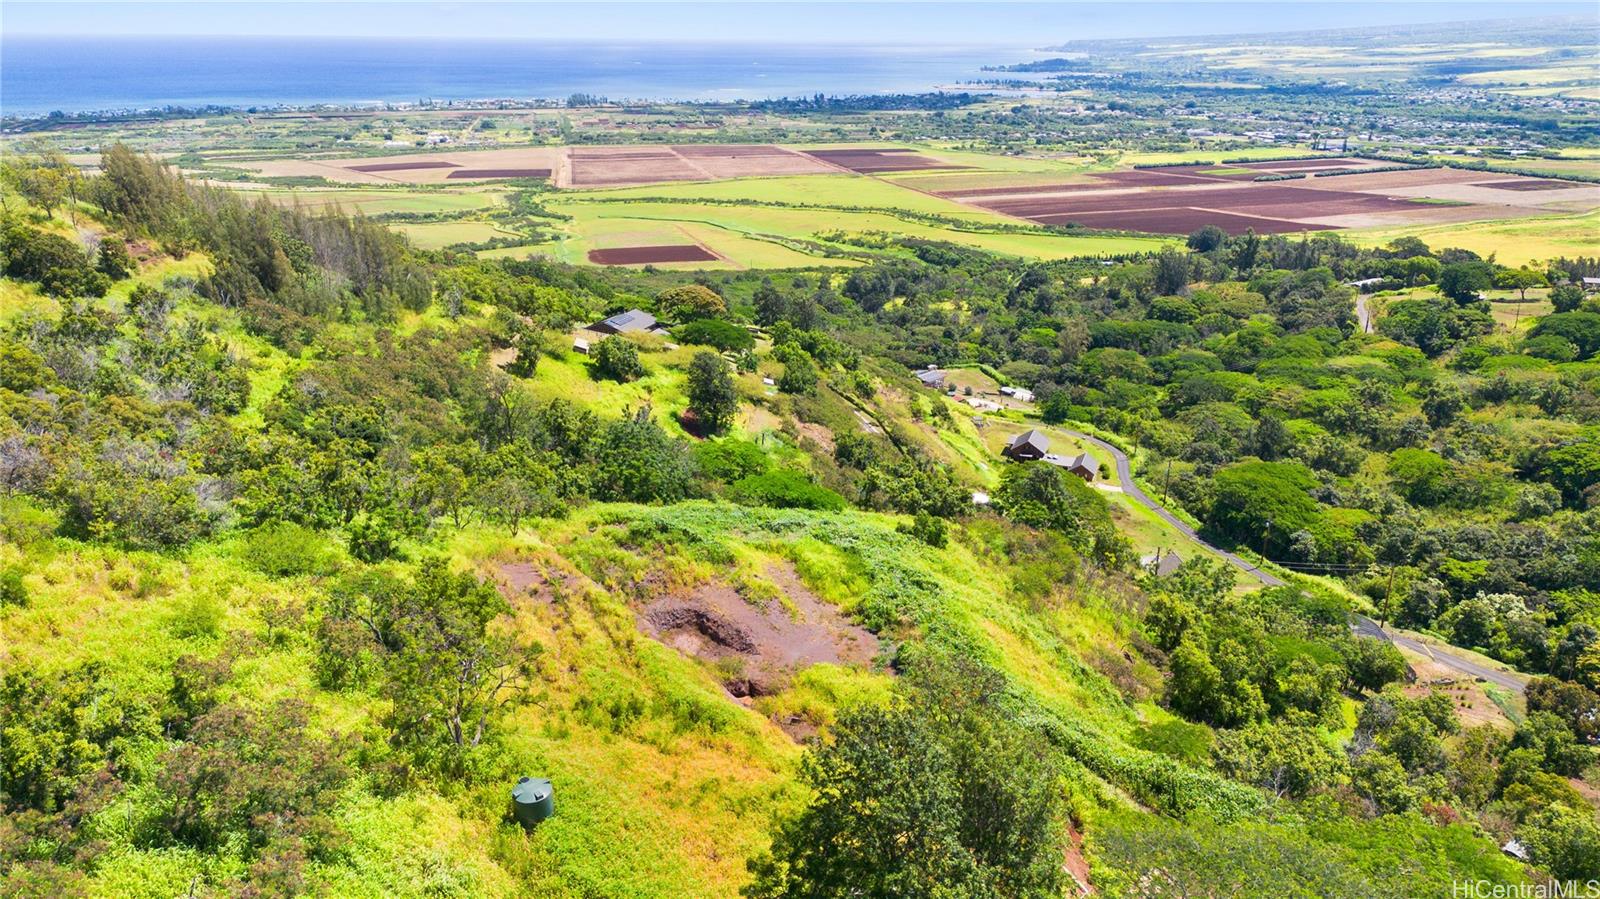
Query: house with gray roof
[[634, 321], [1027, 446]]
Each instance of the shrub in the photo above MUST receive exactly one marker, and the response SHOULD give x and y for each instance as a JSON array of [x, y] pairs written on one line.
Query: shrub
[[730, 459], [13, 592], [617, 358], [785, 489], [715, 333], [286, 549]]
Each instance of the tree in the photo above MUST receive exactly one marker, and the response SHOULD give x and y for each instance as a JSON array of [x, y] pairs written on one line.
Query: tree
[[636, 461], [617, 358], [938, 794], [1373, 663], [1287, 761], [1264, 503], [799, 374], [1566, 298], [114, 260], [1171, 271], [1206, 238], [1041, 495], [530, 346], [691, 301], [712, 395], [771, 305], [1518, 279], [1464, 281], [448, 668]]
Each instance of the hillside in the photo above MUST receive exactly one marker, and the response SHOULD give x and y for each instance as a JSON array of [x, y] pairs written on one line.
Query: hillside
[[313, 542]]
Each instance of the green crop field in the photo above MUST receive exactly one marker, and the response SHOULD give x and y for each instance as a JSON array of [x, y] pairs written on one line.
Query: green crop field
[[433, 235]]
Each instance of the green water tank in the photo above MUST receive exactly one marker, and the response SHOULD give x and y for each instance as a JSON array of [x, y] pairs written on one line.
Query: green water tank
[[533, 799]]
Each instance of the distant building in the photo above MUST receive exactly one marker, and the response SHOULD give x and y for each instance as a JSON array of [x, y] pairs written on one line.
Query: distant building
[[634, 321], [1083, 465], [1162, 564], [1364, 283], [1027, 446], [982, 404], [1591, 284], [979, 498], [932, 377], [580, 346], [1023, 394]]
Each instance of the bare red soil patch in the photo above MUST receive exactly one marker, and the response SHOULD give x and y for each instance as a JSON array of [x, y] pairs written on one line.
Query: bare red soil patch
[[1179, 220], [500, 173], [1268, 208], [641, 255], [1530, 184], [402, 166], [757, 648], [715, 151], [874, 161]]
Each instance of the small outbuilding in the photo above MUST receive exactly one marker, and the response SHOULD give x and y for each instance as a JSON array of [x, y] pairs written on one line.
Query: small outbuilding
[[1162, 564], [634, 321], [580, 346], [931, 377], [1083, 465], [1028, 446]]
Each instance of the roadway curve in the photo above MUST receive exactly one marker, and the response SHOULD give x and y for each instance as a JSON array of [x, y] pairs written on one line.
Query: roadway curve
[[1361, 623], [1125, 480]]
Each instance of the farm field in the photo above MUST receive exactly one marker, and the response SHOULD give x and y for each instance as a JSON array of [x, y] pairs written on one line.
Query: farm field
[[805, 230], [1178, 199], [379, 201], [1510, 242], [765, 205], [435, 235]]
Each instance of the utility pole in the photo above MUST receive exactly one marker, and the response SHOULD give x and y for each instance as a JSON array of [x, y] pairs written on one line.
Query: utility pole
[[1166, 487]]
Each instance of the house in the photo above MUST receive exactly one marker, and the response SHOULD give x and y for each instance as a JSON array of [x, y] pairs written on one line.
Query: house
[[931, 377], [1364, 284], [634, 321], [982, 404], [1162, 564], [580, 346], [1027, 446], [1516, 850], [1591, 284], [1083, 465], [1022, 394]]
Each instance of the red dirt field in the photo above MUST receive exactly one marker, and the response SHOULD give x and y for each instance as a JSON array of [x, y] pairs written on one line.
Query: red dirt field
[[642, 255], [499, 173], [402, 166], [1271, 200], [718, 151], [875, 161], [1178, 220]]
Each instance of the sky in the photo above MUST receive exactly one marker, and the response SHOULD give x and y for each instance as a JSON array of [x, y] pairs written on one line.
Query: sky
[[974, 22]]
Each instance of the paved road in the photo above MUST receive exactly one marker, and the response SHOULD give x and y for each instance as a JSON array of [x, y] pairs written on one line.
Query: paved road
[[1510, 680], [1125, 478], [1363, 315], [1361, 624]]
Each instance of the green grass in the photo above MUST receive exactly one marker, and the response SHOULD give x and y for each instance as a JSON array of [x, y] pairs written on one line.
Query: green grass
[[1512, 242], [729, 231], [435, 235], [376, 201]]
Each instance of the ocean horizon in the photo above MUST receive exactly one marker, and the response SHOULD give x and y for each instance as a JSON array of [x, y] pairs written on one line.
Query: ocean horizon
[[39, 75]]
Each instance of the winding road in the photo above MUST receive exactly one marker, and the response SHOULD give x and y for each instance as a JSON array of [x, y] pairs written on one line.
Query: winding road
[[1361, 624]]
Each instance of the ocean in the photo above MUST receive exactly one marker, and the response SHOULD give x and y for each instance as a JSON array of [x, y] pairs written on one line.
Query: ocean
[[43, 74]]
